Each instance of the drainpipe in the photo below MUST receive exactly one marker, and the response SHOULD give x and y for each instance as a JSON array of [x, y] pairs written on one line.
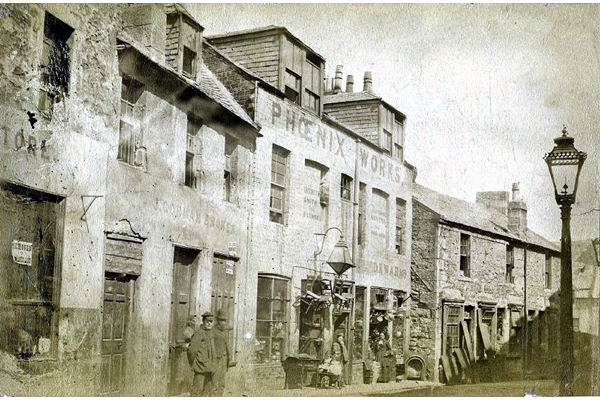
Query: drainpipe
[[525, 345], [349, 339]]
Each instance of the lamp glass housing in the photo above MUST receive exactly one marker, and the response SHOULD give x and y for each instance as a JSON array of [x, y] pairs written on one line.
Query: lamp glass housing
[[340, 259], [564, 163]]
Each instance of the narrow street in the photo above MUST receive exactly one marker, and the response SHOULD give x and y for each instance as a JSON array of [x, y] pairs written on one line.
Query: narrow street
[[496, 389]]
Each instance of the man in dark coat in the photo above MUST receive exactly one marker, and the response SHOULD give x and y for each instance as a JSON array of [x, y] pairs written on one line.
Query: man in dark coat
[[221, 335], [201, 356]]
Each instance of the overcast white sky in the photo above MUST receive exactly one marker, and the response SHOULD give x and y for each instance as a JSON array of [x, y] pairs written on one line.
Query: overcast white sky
[[485, 87]]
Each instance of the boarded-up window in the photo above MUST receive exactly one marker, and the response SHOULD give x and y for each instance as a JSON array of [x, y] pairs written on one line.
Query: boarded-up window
[[379, 220], [316, 195], [123, 254]]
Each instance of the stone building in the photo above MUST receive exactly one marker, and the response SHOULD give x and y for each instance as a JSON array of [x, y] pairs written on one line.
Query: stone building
[[125, 197], [484, 287], [319, 178]]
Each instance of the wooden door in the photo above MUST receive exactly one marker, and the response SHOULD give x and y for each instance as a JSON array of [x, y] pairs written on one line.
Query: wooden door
[[223, 293], [115, 315], [184, 271]]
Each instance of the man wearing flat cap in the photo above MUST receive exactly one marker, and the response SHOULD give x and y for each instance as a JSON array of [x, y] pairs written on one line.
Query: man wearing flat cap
[[221, 335], [201, 355]]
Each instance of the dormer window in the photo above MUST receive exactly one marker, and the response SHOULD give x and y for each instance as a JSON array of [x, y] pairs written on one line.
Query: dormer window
[[184, 41]]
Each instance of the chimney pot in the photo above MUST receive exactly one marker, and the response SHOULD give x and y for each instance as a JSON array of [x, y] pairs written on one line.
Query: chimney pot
[[368, 81], [350, 84], [516, 195], [337, 85]]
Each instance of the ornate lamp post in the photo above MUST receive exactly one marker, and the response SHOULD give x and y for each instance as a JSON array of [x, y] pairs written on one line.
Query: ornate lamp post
[[564, 163]]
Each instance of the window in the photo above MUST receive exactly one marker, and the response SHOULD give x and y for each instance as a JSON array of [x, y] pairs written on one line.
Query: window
[[359, 322], [465, 254], [316, 193], [189, 62], [510, 264], [452, 319], [183, 38], [346, 206], [278, 183], [293, 84], [548, 272], [230, 167], [192, 149], [346, 188], [398, 139], [130, 149], [272, 305], [54, 63], [313, 82], [400, 214], [30, 236], [387, 136], [398, 151]]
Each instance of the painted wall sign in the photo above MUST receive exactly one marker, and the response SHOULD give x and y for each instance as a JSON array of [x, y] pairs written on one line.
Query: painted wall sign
[[205, 219], [386, 269], [24, 140], [309, 128], [312, 130], [21, 252]]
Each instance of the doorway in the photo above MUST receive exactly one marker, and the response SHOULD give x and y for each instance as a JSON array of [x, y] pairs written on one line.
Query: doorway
[[185, 269], [115, 319]]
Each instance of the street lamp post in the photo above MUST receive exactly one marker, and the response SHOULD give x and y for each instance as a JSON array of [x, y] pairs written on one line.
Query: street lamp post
[[564, 163]]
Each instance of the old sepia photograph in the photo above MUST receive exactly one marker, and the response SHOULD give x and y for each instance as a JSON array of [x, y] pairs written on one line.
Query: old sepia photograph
[[299, 200]]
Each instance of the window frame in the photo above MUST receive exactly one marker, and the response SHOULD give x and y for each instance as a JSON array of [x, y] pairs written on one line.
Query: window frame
[[279, 153], [510, 264], [285, 300], [400, 225], [465, 255], [130, 142], [191, 174], [289, 74]]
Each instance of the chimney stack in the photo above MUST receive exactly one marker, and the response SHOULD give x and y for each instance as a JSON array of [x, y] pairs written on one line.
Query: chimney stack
[[337, 85], [517, 212], [368, 82], [350, 84]]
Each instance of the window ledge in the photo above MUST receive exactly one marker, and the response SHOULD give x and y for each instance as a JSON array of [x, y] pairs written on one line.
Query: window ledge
[[465, 279]]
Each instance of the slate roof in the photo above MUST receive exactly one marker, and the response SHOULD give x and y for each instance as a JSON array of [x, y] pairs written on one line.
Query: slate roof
[[274, 28], [476, 216], [208, 84]]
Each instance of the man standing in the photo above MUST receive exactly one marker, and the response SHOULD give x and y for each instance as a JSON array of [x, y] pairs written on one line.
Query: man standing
[[201, 356], [221, 354]]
